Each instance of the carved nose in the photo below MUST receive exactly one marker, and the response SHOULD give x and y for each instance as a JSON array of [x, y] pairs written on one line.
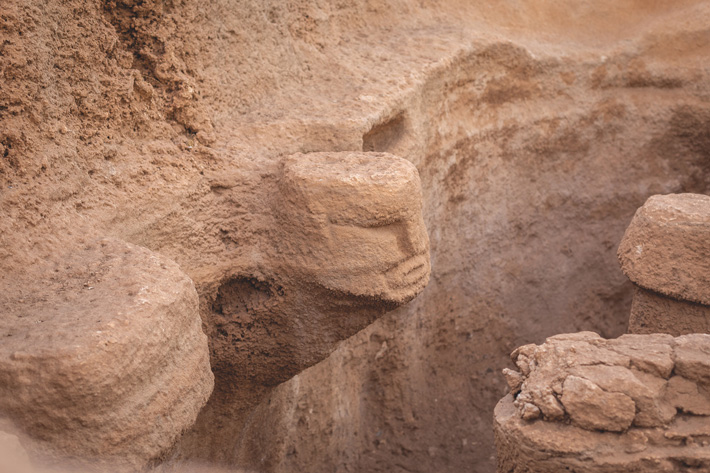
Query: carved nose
[[412, 238]]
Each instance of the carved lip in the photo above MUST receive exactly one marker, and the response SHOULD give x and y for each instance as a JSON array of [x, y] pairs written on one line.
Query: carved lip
[[409, 272]]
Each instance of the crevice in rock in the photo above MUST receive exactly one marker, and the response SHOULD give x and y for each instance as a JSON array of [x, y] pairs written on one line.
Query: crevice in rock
[[387, 135]]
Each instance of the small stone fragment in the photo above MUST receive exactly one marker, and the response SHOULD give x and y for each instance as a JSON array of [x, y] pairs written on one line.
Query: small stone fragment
[[530, 412], [692, 357], [683, 394], [514, 379]]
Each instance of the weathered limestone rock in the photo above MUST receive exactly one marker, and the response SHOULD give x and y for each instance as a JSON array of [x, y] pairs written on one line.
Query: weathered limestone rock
[[103, 358], [665, 253], [636, 403], [538, 128], [590, 407], [352, 223], [344, 243]]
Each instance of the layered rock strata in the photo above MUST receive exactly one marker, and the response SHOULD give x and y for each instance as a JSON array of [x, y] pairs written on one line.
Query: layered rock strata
[[103, 356], [665, 253], [583, 403]]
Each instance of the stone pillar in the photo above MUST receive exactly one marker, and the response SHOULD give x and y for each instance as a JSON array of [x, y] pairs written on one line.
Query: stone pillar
[[103, 361], [666, 254], [639, 403]]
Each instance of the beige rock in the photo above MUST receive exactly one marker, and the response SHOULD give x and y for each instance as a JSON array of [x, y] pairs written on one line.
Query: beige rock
[[617, 417], [352, 223], [666, 245], [538, 128], [103, 356], [664, 252], [553, 447], [692, 357], [577, 375], [650, 353], [345, 243], [652, 312], [592, 408], [688, 396], [514, 379], [646, 390]]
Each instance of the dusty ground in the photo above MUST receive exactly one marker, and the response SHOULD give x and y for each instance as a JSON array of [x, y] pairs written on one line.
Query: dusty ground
[[537, 131]]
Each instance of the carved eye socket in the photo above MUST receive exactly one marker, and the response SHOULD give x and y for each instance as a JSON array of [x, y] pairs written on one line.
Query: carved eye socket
[[372, 221]]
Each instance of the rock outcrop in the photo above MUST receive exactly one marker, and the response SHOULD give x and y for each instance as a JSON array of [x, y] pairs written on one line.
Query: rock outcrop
[[579, 402], [103, 358], [342, 241], [665, 254]]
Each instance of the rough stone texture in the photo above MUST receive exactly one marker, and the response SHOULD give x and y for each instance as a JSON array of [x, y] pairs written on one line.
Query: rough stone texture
[[538, 128], [666, 247], [664, 252], [546, 447], [529, 183], [352, 223], [636, 403], [103, 357], [590, 407], [652, 312], [344, 243]]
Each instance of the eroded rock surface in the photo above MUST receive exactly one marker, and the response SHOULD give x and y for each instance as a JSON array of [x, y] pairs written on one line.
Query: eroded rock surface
[[352, 223], [341, 243], [652, 312], [103, 357], [538, 128], [665, 253], [581, 402], [666, 246]]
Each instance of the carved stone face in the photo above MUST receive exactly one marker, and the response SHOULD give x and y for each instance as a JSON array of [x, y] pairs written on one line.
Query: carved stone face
[[351, 222]]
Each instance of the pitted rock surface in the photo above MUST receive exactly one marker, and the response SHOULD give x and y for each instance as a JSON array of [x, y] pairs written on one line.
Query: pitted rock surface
[[583, 402], [538, 128], [345, 242], [652, 312], [103, 354], [666, 247]]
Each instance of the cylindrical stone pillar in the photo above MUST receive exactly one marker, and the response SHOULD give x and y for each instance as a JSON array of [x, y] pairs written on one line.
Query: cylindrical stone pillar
[[103, 362], [666, 254]]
